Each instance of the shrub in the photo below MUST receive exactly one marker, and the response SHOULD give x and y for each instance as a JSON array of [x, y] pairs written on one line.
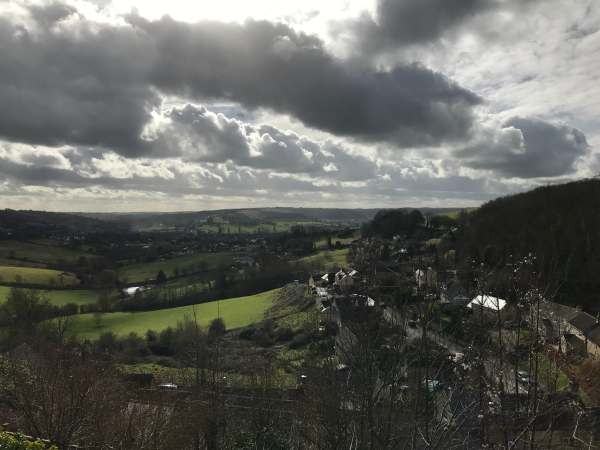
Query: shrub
[[16, 441], [300, 340], [217, 328], [285, 334], [248, 333]]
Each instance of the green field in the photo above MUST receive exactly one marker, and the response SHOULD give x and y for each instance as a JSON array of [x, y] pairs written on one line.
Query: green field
[[326, 259], [77, 296], [273, 227], [137, 273], [61, 297], [41, 251], [236, 312], [33, 275]]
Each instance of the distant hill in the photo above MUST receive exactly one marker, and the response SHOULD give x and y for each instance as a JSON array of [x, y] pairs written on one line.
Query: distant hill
[[560, 224], [26, 224], [31, 223], [251, 216]]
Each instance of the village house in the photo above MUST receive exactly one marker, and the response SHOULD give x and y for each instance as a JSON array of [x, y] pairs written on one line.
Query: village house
[[572, 345], [580, 331], [345, 280], [489, 308], [550, 333], [593, 341], [586, 328]]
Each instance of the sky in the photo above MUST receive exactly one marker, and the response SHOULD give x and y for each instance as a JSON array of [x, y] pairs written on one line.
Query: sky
[[132, 105]]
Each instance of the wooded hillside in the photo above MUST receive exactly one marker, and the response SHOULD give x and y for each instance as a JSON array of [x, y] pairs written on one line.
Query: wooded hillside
[[559, 224]]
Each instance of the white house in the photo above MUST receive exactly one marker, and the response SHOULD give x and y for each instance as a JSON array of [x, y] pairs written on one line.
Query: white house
[[489, 306]]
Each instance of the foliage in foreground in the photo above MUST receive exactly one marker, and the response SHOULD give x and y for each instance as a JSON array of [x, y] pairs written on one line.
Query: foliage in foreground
[[16, 441]]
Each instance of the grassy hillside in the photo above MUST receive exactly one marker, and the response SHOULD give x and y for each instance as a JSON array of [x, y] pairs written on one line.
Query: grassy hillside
[[41, 251], [559, 224], [236, 312], [61, 297], [31, 275], [134, 273], [262, 227], [245, 217], [42, 223], [77, 296], [326, 259]]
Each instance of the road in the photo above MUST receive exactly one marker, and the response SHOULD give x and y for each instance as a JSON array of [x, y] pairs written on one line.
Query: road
[[492, 364]]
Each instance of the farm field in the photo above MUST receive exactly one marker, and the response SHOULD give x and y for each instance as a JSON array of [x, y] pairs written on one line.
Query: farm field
[[273, 227], [34, 275], [326, 259], [77, 296], [43, 251], [236, 312], [136, 273], [61, 297]]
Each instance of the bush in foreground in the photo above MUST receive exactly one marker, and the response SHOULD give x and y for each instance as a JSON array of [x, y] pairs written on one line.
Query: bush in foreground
[[16, 441]]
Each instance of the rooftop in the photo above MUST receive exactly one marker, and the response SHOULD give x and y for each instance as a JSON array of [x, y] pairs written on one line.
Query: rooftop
[[488, 302], [583, 321]]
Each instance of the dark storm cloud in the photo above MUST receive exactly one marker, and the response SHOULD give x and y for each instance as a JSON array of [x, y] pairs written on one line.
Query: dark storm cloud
[[529, 148], [398, 23], [85, 88], [261, 64], [401, 22], [95, 84]]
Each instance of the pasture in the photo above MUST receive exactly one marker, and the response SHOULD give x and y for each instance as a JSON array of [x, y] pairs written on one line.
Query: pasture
[[326, 259], [60, 297], [262, 228], [34, 275], [236, 312], [44, 251], [77, 296], [137, 273]]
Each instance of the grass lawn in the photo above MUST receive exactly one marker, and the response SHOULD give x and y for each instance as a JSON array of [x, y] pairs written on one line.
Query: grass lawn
[[43, 251], [37, 276], [135, 273], [79, 297], [327, 259], [236, 312], [62, 297]]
